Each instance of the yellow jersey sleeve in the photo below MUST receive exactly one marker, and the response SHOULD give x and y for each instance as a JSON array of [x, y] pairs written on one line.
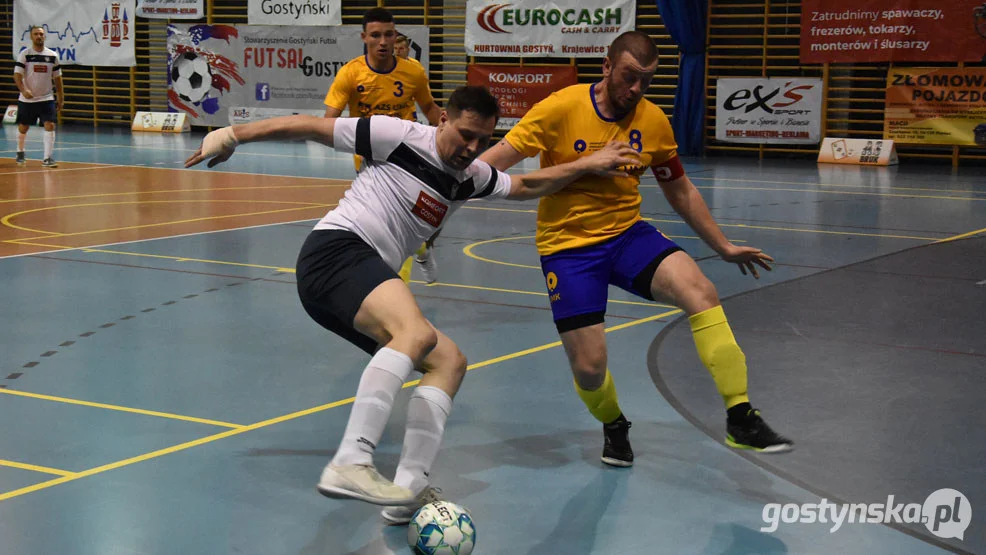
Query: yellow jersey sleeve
[[341, 90], [537, 131], [422, 92]]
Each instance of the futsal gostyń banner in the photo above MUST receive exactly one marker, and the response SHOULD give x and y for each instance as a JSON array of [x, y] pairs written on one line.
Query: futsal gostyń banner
[[517, 89], [779, 110], [215, 68], [558, 29], [893, 30], [87, 32], [936, 106], [171, 9]]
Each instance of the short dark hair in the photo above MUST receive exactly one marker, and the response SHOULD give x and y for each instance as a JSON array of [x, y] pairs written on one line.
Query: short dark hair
[[377, 15], [401, 38], [33, 27], [475, 98], [637, 43]]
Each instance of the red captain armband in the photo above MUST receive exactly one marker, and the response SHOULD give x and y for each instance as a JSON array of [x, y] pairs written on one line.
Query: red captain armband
[[668, 171]]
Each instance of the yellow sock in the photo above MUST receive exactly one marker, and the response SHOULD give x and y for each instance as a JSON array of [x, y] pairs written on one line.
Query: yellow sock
[[405, 272], [719, 352], [603, 402], [421, 250]]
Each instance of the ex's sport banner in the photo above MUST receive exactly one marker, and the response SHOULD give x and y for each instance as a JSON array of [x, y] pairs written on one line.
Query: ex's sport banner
[[936, 106], [557, 29], [215, 68], [893, 30]]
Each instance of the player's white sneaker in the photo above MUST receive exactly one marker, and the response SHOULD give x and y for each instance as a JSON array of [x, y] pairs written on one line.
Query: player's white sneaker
[[403, 514], [362, 482], [428, 265]]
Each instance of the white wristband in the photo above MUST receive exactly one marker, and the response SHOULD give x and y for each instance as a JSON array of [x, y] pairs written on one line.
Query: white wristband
[[219, 141]]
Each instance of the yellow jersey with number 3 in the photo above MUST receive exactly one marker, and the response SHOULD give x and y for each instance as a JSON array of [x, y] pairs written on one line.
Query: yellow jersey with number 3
[[567, 125], [368, 92]]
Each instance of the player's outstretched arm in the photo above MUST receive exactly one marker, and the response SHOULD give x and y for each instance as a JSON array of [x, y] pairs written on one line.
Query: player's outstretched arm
[[606, 161], [684, 197], [502, 156], [219, 145]]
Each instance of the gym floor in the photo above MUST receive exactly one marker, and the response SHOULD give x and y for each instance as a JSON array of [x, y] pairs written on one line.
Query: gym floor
[[162, 390]]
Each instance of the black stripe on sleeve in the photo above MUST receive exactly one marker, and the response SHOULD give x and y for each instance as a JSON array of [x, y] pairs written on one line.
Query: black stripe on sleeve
[[363, 146], [18, 64], [490, 185]]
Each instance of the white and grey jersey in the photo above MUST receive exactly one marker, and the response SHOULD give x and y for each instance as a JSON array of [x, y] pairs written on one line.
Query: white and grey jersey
[[39, 70], [404, 193]]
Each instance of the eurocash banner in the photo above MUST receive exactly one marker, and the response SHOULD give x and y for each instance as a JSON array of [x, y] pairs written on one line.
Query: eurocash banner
[[936, 106], [171, 9], [294, 12], [212, 68], [87, 32], [782, 110], [561, 29]]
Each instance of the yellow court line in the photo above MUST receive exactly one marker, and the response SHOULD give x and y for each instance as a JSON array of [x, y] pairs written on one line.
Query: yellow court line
[[859, 193], [202, 190], [277, 420], [747, 226], [36, 468], [175, 222], [120, 408], [836, 185], [961, 236], [185, 259]]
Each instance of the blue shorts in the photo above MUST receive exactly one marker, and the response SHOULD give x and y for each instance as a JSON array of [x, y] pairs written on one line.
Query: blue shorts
[[578, 279]]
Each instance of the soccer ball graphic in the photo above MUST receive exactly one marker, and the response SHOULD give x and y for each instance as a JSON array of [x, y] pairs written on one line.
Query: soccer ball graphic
[[191, 77], [441, 528]]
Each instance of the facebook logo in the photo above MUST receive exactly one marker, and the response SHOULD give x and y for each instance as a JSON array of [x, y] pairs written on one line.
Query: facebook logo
[[263, 92]]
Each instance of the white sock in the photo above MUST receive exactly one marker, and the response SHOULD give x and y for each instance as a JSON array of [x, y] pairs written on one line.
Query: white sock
[[49, 141], [381, 381], [21, 139], [427, 412]]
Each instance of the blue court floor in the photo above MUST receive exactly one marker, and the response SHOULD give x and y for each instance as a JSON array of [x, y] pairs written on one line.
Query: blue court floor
[[171, 396]]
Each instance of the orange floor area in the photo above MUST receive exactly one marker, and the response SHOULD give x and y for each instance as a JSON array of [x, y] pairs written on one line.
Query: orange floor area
[[82, 205]]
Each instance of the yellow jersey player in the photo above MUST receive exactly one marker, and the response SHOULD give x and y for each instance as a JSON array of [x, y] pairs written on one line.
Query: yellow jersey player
[[591, 235], [380, 83]]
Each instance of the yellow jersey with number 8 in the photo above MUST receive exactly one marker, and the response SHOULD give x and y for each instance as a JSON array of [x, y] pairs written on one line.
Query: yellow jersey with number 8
[[566, 126]]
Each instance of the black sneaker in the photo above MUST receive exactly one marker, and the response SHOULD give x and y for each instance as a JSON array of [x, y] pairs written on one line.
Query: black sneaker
[[616, 449], [20, 158], [753, 433], [49, 163]]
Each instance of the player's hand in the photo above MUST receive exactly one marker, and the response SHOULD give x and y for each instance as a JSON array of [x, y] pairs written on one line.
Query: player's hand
[[216, 147], [27, 93], [747, 258], [608, 160]]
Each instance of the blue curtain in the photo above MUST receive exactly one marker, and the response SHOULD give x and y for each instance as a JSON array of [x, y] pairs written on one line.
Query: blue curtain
[[685, 21]]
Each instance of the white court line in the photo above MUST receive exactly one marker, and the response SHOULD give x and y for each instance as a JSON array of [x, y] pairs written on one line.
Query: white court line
[[105, 165], [329, 154], [68, 249]]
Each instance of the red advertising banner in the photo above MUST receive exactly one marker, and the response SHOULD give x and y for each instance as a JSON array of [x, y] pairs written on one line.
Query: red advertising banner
[[893, 31], [519, 88]]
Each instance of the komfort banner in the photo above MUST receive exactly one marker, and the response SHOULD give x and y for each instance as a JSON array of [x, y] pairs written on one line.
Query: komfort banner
[[517, 89], [87, 32], [893, 30], [213, 68], [945, 106], [778, 110], [559, 29]]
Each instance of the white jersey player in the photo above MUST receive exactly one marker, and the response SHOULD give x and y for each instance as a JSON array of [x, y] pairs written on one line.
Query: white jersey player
[[415, 178], [38, 76]]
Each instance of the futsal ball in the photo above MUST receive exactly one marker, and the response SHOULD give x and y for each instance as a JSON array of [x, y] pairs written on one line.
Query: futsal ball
[[190, 76], [441, 528]]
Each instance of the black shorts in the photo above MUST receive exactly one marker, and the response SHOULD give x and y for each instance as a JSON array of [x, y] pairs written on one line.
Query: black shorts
[[28, 113], [337, 270]]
